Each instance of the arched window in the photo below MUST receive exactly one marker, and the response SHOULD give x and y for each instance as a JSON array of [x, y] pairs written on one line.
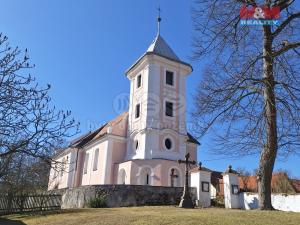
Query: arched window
[[122, 176], [145, 177], [96, 159], [136, 144], [86, 162]]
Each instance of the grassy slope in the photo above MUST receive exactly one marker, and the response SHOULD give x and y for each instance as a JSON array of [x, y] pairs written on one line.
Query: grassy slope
[[157, 216]]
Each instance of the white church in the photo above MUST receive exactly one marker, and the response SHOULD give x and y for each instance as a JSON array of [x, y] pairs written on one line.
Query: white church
[[141, 146]]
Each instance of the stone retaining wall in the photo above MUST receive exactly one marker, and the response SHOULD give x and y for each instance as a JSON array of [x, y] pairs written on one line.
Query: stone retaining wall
[[123, 195]]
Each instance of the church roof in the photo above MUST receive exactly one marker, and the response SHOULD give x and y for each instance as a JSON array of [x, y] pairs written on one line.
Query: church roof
[[160, 47], [80, 142], [192, 139], [100, 132]]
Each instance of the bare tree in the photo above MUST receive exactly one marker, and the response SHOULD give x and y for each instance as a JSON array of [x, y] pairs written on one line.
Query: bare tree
[[25, 175], [282, 182], [244, 176], [30, 126], [249, 94]]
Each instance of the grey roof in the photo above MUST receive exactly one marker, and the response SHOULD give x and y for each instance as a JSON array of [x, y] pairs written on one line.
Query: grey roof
[[160, 47], [192, 139]]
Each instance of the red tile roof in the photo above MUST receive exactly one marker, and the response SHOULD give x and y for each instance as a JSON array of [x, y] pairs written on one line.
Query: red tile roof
[[249, 183]]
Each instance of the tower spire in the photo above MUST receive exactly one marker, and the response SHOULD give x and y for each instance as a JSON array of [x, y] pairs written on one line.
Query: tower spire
[[158, 21]]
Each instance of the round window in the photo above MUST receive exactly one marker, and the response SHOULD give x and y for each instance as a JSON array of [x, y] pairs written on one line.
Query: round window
[[168, 143]]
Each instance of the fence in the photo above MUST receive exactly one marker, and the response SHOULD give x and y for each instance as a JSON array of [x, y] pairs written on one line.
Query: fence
[[29, 203]]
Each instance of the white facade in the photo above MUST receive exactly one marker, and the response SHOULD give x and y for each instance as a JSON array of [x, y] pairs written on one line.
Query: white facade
[[231, 191], [282, 202], [202, 181], [63, 171]]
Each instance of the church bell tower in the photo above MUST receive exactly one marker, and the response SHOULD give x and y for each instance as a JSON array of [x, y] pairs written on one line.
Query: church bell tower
[[157, 108]]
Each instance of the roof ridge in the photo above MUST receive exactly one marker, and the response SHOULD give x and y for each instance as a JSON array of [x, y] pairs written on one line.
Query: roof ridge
[[160, 46]]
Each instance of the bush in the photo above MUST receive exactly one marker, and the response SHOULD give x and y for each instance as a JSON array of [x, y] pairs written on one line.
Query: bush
[[218, 202], [98, 202]]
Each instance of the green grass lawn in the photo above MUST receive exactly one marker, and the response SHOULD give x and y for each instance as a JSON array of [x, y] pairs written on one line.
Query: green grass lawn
[[155, 215]]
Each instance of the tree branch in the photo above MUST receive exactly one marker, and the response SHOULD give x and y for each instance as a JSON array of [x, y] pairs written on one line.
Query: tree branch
[[283, 4], [285, 23], [287, 47], [248, 2]]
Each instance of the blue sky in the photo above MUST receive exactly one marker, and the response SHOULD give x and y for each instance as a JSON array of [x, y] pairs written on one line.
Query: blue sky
[[82, 48]]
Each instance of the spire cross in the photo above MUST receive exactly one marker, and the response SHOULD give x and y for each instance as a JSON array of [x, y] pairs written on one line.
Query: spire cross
[[158, 20]]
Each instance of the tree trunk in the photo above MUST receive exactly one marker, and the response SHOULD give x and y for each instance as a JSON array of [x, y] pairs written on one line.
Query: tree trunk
[[269, 152]]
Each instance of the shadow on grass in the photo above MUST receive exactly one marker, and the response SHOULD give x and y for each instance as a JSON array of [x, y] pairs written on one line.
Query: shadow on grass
[[15, 219], [4, 221]]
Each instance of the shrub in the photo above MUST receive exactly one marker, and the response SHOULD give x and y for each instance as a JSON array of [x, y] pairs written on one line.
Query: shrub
[[98, 202], [218, 202]]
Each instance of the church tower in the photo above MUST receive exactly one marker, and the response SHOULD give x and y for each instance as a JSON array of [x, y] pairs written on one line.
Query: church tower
[[157, 109]]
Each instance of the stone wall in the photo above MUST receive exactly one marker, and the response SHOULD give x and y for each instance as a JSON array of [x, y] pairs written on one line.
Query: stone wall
[[281, 202], [123, 195]]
